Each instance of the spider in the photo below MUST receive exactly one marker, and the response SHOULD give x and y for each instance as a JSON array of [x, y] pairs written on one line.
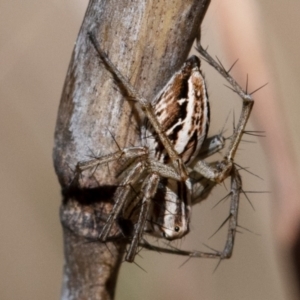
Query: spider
[[174, 133]]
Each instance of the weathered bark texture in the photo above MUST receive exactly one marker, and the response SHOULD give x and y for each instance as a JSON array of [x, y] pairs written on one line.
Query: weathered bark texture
[[147, 41]]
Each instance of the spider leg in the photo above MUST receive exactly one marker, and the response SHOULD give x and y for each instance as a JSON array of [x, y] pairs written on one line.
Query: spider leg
[[146, 107], [236, 189], [120, 197], [202, 186], [149, 191], [122, 192], [149, 188], [126, 153], [224, 167]]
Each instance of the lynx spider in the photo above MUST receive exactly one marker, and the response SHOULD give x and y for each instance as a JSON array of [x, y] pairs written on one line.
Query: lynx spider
[[174, 158]]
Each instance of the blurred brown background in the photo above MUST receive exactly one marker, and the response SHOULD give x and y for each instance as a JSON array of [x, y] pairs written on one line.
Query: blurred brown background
[[36, 41]]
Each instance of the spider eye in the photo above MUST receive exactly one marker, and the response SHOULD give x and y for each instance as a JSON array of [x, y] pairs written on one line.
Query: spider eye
[[176, 228]]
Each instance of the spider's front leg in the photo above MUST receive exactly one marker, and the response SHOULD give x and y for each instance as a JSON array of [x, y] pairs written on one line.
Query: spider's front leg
[[223, 169], [146, 107]]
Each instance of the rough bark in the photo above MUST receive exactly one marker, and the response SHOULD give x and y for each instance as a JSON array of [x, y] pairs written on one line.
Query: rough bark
[[147, 41]]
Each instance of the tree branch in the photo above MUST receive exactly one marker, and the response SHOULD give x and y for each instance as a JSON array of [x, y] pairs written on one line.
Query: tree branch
[[147, 41]]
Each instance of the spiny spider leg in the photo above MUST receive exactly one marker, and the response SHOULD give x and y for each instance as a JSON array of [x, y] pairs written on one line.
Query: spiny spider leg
[[223, 169], [146, 107], [201, 186], [122, 192], [120, 198], [236, 188], [126, 153], [149, 191]]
